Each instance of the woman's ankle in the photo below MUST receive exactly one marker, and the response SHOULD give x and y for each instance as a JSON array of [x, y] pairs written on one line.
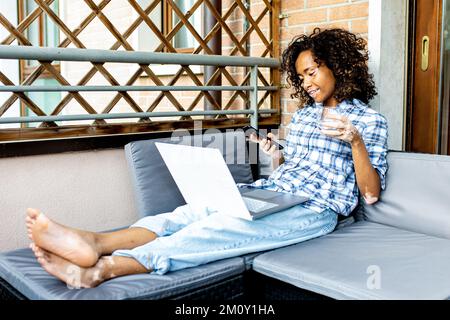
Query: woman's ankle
[[102, 271], [99, 244]]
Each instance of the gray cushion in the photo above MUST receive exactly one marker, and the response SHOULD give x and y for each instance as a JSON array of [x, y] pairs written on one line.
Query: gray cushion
[[345, 264], [416, 196], [20, 269], [156, 191]]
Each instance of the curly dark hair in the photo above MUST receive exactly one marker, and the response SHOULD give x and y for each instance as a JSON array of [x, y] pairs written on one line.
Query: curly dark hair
[[344, 53]]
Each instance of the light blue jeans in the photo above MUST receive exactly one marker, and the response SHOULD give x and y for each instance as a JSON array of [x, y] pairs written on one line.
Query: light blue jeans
[[188, 238]]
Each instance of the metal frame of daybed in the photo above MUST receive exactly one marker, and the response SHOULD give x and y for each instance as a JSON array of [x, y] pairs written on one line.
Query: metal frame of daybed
[[247, 286]]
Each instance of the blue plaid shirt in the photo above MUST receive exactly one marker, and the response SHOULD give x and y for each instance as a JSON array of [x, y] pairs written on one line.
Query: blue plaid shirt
[[321, 167]]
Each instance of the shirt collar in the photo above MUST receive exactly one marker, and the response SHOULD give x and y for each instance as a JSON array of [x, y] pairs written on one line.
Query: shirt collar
[[345, 106]]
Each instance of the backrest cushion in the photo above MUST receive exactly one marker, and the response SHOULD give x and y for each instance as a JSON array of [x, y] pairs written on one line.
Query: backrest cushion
[[154, 188], [417, 195]]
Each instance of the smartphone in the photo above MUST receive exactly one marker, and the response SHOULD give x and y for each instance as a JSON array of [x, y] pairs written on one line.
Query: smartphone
[[248, 130]]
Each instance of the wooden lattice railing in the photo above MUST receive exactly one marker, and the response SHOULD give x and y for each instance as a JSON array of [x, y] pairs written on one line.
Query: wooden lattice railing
[[240, 47]]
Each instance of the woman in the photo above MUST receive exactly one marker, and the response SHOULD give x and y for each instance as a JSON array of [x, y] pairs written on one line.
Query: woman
[[329, 164]]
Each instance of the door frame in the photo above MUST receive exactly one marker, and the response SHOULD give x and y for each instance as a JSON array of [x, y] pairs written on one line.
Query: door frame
[[444, 129], [388, 62], [424, 111]]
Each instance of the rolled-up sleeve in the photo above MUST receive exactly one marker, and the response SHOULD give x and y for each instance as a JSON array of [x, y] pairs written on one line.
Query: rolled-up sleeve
[[375, 136]]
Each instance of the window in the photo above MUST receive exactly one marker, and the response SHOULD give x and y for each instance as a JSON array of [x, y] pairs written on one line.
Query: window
[[184, 40], [43, 33], [165, 18], [146, 40]]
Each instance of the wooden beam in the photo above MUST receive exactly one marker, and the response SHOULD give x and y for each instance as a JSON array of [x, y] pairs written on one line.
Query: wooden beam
[[60, 132]]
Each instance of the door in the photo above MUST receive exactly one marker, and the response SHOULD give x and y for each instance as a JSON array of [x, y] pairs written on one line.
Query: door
[[428, 110]]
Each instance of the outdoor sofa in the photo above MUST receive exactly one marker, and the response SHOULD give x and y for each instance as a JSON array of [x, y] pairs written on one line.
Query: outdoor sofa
[[398, 248]]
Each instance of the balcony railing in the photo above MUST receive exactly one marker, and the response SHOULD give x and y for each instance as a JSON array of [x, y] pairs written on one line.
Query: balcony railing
[[48, 55]]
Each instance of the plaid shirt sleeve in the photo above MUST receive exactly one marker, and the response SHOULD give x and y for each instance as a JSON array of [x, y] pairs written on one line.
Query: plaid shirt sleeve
[[375, 136]]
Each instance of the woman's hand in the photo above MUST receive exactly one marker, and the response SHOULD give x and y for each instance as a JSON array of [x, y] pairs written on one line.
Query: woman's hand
[[269, 148], [266, 145], [340, 127], [367, 178]]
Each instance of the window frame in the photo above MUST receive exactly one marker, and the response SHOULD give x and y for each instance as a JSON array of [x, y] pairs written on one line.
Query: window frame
[[163, 26], [167, 26], [25, 69]]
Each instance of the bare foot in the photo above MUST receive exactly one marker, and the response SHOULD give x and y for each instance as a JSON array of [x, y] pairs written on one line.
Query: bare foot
[[76, 246], [74, 276]]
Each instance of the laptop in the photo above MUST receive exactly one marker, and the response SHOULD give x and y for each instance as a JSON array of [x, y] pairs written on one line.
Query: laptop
[[204, 180]]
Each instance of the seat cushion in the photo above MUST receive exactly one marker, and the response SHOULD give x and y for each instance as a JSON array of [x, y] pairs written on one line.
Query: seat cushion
[[20, 269], [416, 196], [364, 261], [154, 188]]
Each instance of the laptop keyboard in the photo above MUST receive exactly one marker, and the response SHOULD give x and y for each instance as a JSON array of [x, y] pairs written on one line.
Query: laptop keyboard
[[255, 205]]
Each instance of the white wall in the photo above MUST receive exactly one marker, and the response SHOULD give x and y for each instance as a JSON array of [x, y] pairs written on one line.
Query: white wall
[[9, 67], [87, 190], [388, 47]]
